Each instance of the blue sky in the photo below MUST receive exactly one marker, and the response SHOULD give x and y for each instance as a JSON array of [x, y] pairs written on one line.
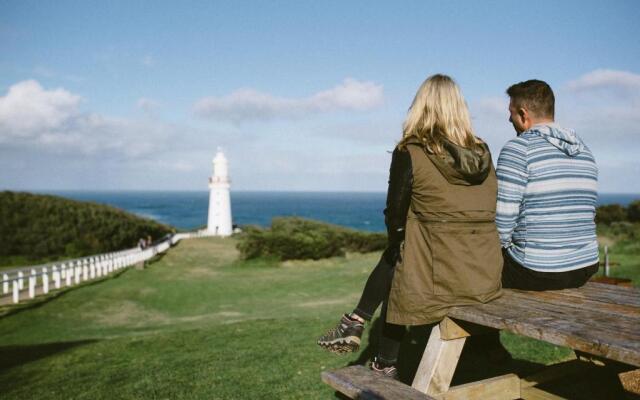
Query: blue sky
[[301, 95]]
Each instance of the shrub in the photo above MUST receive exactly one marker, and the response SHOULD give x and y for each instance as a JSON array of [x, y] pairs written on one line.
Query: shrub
[[610, 213], [364, 242], [39, 228], [633, 211], [298, 238]]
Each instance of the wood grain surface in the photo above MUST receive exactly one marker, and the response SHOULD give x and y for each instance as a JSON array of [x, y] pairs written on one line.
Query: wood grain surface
[[599, 319]]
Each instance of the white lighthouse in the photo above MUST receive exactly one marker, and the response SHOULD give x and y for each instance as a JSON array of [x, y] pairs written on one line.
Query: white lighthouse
[[219, 222]]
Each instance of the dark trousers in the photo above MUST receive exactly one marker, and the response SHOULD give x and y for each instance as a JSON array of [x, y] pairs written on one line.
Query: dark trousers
[[514, 276], [376, 290]]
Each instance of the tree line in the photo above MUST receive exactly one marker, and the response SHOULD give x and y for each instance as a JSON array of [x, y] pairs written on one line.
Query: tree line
[[611, 213]]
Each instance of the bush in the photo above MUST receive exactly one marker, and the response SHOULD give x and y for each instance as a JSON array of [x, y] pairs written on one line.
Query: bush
[[40, 228], [633, 211], [610, 213], [363, 242], [297, 238]]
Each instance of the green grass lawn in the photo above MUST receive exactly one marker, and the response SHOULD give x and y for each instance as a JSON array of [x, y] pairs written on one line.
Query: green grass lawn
[[197, 323]]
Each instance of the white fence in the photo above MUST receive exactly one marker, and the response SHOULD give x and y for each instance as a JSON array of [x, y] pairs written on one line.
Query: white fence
[[41, 279]]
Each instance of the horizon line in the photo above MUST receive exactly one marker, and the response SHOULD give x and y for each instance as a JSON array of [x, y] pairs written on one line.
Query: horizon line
[[237, 191]]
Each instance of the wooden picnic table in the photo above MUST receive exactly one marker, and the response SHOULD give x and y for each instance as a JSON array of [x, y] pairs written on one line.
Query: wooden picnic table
[[600, 320]]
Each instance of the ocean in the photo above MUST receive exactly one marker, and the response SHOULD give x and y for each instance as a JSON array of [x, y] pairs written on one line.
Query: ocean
[[188, 209]]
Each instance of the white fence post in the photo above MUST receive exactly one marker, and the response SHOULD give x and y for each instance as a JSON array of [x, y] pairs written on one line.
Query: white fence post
[[45, 280], [68, 269], [16, 291], [32, 284], [56, 277], [85, 270], [92, 268], [20, 280], [77, 269], [5, 283]]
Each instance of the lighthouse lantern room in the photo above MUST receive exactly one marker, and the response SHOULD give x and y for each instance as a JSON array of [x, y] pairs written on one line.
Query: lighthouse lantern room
[[219, 221]]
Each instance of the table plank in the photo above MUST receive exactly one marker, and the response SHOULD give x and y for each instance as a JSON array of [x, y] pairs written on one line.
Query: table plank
[[609, 293], [579, 300], [603, 328]]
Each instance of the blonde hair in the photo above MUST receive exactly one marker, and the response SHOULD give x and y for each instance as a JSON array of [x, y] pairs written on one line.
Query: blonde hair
[[438, 112]]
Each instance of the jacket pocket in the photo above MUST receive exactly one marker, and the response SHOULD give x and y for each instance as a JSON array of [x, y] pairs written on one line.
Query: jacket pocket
[[467, 260]]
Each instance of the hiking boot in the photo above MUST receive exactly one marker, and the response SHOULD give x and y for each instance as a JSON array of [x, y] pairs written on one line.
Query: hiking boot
[[344, 338], [384, 369]]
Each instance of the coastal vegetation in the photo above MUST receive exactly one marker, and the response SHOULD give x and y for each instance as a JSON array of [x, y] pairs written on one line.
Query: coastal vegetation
[[39, 228], [293, 238], [612, 213], [618, 228]]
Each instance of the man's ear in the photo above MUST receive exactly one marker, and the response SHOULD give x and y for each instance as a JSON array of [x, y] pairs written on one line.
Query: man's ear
[[523, 114]]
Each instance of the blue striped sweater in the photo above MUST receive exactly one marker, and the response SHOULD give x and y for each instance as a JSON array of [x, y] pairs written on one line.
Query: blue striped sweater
[[547, 195]]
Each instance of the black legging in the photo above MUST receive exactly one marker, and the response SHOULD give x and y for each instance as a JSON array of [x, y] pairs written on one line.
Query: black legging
[[376, 292], [377, 288]]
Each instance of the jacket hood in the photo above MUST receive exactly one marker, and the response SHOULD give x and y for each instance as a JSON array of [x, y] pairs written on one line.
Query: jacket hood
[[462, 166], [564, 139]]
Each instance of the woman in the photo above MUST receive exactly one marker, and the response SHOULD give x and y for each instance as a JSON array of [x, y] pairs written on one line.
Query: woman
[[443, 248]]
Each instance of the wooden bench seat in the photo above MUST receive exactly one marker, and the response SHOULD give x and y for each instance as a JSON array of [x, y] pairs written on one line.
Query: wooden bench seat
[[598, 319], [358, 382]]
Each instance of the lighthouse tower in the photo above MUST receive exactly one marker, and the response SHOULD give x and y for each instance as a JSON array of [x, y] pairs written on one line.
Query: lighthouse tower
[[219, 222]]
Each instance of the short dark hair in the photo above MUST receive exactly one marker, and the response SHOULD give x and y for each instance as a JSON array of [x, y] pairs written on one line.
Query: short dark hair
[[534, 95]]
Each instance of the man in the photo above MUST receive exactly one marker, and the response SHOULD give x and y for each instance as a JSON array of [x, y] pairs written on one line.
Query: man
[[547, 197], [546, 206]]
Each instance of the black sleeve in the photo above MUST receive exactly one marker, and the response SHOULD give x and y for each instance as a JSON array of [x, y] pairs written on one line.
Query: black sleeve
[[398, 201]]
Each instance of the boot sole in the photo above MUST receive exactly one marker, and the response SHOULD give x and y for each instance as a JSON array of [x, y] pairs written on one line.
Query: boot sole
[[342, 345]]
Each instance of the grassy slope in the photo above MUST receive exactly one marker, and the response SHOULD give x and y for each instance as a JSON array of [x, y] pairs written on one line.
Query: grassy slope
[[195, 324], [624, 251]]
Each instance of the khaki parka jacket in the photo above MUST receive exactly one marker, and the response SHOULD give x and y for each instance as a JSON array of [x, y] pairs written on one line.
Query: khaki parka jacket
[[451, 253]]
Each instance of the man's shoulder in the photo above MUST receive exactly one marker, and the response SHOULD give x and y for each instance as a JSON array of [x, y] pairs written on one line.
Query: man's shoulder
[[521, 140], [518, 144]]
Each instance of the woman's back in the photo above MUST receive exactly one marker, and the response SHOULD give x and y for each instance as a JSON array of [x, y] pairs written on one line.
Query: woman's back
[[451, 254]]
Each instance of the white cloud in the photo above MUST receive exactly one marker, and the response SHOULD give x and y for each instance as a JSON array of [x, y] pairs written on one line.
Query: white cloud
[[147, 105], [490, 119], [603, 106], [250, 105], [29, 110], [52, 119], [496, 106], [606, 79], [182, 166]]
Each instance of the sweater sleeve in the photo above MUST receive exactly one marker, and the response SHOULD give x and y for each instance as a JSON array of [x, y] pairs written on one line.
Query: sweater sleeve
[[398, 200], [512, 173]]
